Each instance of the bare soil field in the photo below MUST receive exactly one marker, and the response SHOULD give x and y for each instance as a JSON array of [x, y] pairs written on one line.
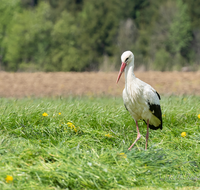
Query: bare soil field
[[93, 83]]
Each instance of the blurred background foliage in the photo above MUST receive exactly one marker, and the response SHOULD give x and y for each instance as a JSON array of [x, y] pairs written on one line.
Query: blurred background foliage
[[88, 35]]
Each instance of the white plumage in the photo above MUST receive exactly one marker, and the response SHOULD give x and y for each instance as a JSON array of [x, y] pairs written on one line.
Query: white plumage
[[140, 99]]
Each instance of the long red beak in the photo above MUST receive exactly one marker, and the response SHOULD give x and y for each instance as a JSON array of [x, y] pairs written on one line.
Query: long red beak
[[123, 65]]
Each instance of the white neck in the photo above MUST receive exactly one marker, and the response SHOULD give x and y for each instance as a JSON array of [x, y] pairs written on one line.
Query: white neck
[[129, 74]]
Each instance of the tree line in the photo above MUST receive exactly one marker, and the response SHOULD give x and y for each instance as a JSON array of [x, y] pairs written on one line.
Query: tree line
[[86, 35]]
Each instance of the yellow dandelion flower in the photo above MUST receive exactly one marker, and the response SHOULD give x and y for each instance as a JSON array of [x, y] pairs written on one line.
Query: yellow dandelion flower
[[108, 135], [44, 114], [59, 113], [123, 155], [72, 126], [183, 134], [199, 116], [9, 179]]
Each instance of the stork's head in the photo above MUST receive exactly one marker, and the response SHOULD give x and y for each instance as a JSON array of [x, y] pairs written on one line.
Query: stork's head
[[127, 57]]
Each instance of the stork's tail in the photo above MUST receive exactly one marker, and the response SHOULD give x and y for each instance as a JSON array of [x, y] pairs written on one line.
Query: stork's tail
[[153, 127]]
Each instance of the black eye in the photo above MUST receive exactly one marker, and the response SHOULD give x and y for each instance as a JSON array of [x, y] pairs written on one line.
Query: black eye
[[126, 59]]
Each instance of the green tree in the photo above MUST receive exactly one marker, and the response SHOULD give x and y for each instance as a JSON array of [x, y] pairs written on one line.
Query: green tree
[[65, 53], [29, 39], [8, 9], [78, 35], [99, 22], [170, 35], [193, 51], [179, 32]]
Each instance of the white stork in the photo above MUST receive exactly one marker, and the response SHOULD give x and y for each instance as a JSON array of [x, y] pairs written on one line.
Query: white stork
[[140, 99]]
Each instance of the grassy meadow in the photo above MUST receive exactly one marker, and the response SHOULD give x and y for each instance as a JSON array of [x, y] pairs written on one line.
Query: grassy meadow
[[82, 143]]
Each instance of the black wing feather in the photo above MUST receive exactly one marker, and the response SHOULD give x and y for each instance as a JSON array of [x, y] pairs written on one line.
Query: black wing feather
[[158, 95], [126, 107], [156, 111]]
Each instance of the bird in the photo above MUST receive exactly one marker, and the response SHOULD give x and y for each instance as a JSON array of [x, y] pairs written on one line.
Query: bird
[[140, 99]]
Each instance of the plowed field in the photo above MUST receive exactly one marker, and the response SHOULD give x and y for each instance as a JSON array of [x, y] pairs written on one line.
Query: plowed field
[[93, 83]]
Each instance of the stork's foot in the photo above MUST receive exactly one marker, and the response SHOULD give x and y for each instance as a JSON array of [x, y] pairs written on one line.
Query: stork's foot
[[138, 137]]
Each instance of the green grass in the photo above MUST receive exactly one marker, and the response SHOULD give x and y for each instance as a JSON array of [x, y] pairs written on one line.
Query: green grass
[[45, 153]]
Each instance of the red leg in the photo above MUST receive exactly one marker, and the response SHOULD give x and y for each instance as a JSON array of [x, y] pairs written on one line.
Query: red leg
[[138, 136], [147, 135]]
